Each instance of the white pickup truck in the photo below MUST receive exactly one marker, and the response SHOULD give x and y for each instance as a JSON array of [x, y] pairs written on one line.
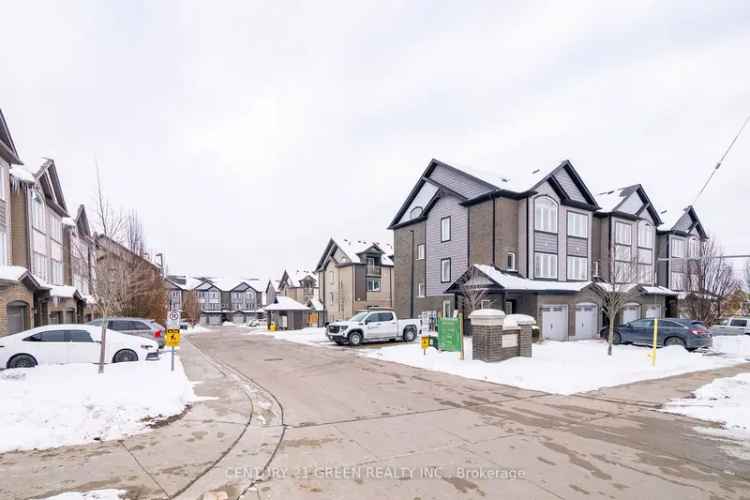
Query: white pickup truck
[[373, 325]]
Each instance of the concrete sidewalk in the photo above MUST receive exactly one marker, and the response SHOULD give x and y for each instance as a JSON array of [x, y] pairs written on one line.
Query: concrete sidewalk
[[235, 426]]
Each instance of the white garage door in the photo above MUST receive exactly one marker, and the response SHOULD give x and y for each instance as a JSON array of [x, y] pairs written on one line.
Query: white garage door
[[214, 319], [204, 319], [586, 324], [555, 322], [653, 311], [630, 312], [238, 319]]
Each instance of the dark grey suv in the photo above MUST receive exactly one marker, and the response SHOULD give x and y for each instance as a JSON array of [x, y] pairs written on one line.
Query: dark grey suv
[[146, 328], [688, 333]]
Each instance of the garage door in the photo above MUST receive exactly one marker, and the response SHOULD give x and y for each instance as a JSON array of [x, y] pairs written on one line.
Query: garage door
[[204, 319], [586, 324], [630, 312], [653, 311], [214, 319], [555, 322], [238, 319]]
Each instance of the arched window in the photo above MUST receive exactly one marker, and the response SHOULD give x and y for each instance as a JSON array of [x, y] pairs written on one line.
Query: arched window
[[545, 214], [415, 212]]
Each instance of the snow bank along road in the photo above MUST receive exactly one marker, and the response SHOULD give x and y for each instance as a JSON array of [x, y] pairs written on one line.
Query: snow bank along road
[[375, 429]]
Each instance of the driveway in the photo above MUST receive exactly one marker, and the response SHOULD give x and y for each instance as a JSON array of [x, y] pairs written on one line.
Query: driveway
[[325, 423]]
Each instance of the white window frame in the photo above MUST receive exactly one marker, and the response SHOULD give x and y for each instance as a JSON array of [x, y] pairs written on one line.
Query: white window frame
[[623, 269], [578, 225], [510, 261], [645, 274], [545, 214], [545, 265], [645, 235], [623, 233], [445, 229], [694, 247], [443, 278], [595, 271], [38, 212], [677, 247], [677, 280], [420, 289], [447, 312], [330, 298], [373, 282], [578, 268], [420, 251]]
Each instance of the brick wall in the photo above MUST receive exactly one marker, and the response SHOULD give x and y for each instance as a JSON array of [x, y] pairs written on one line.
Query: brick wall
[[18, 235], [11, 294]]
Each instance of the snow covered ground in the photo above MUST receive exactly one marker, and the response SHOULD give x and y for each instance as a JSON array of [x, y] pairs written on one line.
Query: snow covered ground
[[195, 329], [58, 405], [556, 367], [90, 495], [725, 401]]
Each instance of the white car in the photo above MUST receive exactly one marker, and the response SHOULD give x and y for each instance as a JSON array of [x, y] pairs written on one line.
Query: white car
[[59, 344]]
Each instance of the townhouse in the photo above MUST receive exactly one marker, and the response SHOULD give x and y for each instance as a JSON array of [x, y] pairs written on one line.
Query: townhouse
[[355, 275], [234, 300], [301, 286], [533, 241], [679, 238]]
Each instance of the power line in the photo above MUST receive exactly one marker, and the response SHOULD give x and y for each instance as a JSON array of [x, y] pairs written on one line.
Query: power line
[[718, 165]]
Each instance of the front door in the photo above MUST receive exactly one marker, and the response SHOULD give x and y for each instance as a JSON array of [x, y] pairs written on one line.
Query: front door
[[555, 322]]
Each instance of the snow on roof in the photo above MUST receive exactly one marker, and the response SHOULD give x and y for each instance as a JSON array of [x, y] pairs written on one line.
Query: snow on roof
[[284, 303], [64, 291], [257, 284], [352, 249], [670, 218], [316, 305], [12, 273], [22, 174], [515, 282], [620, 287], [226, 284], [296, 277], [609, 200], [517, 180], [658, 290], [68, 221]]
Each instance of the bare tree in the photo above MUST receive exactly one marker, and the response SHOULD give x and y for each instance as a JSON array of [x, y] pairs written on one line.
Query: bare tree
[[109, 221], [747, 276], [472, 291], [191, 307], [135, 238], [711, 282], [615, 288]]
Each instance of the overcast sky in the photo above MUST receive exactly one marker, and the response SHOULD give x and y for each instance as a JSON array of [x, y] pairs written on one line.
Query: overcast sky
[[247, 133]]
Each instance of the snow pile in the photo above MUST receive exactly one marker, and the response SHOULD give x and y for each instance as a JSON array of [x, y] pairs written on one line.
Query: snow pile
[[195, 329], [90, 495], [559, 367], [725, 401], [732, 345], [58, 405], [227, 323]]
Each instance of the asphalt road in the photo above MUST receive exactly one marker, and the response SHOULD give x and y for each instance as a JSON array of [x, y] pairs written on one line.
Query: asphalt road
[[360, 428]]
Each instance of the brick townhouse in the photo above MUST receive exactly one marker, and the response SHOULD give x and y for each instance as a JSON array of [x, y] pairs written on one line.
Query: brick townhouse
[[533, 240]]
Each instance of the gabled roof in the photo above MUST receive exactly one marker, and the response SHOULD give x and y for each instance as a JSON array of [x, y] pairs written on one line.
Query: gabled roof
[[82, 221], [352, 249], [295, 278], [501, 280], [7, 147], [486, 184], [18, 274], [284, 303], [47, 178], [611, 202], [682, 222]]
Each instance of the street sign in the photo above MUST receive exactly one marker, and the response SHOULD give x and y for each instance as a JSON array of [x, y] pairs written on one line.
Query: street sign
[[172, 338], [449, 334], [173, 320]]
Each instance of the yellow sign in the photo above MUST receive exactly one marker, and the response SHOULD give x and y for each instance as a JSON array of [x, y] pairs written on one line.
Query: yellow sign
[[172, 338], [425, 341]]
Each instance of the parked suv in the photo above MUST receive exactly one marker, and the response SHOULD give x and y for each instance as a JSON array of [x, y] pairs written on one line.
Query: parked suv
[[146, 328], [688, 333], [736, 325]]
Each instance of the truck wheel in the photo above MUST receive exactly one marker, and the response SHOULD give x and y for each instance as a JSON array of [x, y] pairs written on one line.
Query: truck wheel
[[355, 338], [410, 334]]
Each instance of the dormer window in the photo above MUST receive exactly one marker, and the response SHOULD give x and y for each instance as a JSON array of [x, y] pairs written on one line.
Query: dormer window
[[415, 212], [545, 215]]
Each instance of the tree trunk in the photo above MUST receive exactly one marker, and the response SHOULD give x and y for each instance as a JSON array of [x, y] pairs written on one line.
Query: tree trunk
[[611, 336], [103, 346]]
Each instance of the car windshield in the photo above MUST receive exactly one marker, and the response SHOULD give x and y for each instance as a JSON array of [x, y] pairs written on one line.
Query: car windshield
[[359, 316]]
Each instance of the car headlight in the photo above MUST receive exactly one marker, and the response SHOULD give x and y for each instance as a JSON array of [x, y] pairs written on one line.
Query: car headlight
[[343, 328]]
